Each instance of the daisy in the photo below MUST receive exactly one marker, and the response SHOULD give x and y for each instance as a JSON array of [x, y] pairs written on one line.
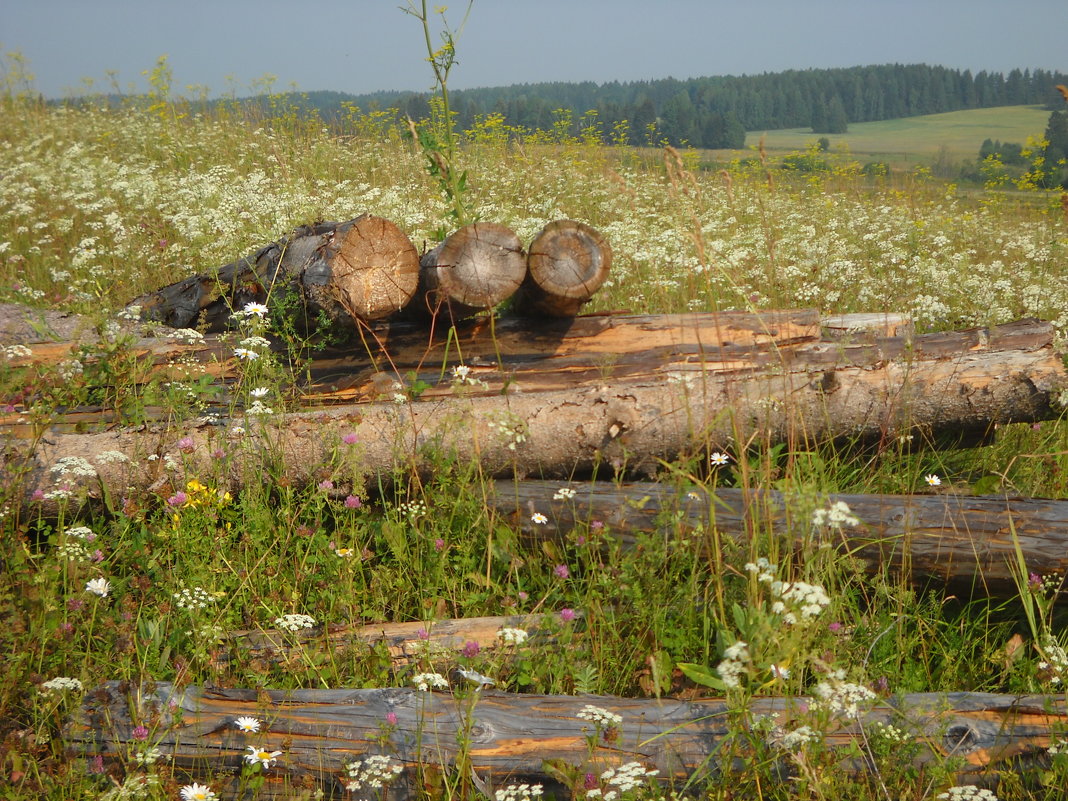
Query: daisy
[[932, 479], [245, 353], [197, 792], [98, 586], [260, 392], [261, 757], [539, 519], [718, 459], [247, 724], [258, 309]]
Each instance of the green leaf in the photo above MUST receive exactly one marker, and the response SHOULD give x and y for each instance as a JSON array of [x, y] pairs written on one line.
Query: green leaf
[[700, 674]]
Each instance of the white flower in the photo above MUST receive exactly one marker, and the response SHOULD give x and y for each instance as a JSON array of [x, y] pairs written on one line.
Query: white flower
[[62, 684], [779, 672], [246, 354], [600, 717], [374, 771], [257, 309], [428, 681], [261, 757], [197, 792], [247, 724], [98, 586], [564, 494], [510, 636], [460, 372], [260, 392], [295, 622], [475, 677], [518, 792], [932, 479], [539, 519], [967, 793], [718, 459]]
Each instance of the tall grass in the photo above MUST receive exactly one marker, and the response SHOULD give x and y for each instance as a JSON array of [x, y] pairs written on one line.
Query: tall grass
[[98, 205]]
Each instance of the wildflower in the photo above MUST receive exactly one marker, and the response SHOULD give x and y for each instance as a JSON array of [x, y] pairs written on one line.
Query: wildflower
[[258, 409], [74, 466], [518, 792], [733, 666], [246, 355], [718, 459], [539, 519], [258, 756], [350, 439], [98, 586], [295, 622], [254, 309], [326, 484], [178, 499], [439, 544], [932, 479], [460, 373], [62, 684], [600, 717], [82, 533], [150, 756], [510, 636], [186, 445], [345, 553], [375, 771], [197, 792], [627, 776], [140, 732], [352, 502], [779, 672], [426, 682], [799, 737], [837, 515], [247, 724], [967, 792], [259, 392], [840, 696], [564, 494], [470, 649], [475, 677], [567, 614], [561, 571]]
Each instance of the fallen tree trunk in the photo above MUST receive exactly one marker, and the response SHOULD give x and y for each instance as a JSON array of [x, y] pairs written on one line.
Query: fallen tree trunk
[[516, 738], [653, 410], [362, 269], [973, 544], [474, 269], [566, 264], [440, 641]]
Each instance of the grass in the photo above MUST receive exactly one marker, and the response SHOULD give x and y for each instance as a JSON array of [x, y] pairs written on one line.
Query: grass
[[917, 140], [98, 206]]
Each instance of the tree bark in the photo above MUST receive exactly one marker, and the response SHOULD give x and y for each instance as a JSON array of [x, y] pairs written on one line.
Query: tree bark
[[566, 264], [625, 417], [973, 544], [358, 270], [474, 269], [513, 738]]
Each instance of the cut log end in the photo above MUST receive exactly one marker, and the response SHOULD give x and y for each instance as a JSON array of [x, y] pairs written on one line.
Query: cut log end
[[567, 264], [475, 268], [375, 267]]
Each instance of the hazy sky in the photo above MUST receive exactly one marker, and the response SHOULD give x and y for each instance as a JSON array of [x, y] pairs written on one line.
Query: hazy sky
[[364, 45]]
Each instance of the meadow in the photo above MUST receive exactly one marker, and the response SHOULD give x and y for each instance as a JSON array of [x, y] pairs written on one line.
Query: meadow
[[912, 141], [98, 205]]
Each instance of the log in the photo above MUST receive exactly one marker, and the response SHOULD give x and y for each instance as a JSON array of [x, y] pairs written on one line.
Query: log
[[442, 640], [358, 270], [628, 421], [474, 269], [515, 738], [973, 544], [566, 264]]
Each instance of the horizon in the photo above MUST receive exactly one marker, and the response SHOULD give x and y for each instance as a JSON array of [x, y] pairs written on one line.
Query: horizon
[[236, 47]]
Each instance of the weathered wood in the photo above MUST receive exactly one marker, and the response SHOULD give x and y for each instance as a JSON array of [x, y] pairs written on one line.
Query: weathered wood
[[361, 269], [628, 422], [513, 736], [439, 640], [969, 542], [474, 269], [566, 264]]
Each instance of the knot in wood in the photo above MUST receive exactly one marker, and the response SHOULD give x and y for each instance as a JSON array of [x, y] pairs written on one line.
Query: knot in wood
[[961, 739]]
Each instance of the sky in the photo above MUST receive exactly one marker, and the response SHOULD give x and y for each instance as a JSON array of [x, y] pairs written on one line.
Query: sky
[[361, 46]]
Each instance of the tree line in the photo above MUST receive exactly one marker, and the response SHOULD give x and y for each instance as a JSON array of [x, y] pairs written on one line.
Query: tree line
[[716, 112]]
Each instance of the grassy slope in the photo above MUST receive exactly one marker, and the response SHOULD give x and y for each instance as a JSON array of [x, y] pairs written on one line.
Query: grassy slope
[[911, 139]]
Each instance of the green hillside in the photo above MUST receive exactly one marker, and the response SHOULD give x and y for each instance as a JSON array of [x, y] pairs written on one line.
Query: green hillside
[[912, 139]]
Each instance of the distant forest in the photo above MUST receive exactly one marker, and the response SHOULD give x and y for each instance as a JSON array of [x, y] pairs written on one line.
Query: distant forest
[[716, 112]]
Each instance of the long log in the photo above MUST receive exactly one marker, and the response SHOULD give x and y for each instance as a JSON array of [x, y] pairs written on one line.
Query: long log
[[513, 738], [566, 264], [474, 269], [361, 269], [971, 543], [649, 411]]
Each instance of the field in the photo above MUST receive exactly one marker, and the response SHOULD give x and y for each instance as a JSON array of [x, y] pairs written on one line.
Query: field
[[98, 206], [916, 140]]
